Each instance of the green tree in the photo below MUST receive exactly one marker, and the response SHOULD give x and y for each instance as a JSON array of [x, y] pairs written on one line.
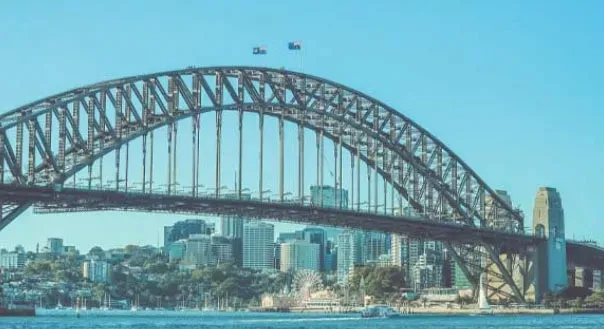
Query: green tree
[[380, 282]]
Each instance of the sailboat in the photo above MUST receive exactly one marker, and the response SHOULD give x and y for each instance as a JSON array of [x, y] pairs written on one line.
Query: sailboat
[[107, 303], [483, 304], [134, 307]]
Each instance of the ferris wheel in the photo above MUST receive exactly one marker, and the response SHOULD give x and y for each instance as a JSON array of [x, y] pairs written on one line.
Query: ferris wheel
[[306, 282]]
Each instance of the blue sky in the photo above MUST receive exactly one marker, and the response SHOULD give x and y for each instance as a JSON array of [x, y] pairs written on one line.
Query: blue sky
[[515, 89]]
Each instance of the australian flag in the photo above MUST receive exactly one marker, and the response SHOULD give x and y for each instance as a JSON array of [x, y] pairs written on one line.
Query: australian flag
[[294, 45], [259, 50]]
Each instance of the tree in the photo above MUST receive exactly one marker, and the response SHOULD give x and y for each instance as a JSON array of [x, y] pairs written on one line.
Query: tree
[[97, 252], [380, 282], [38, 268]]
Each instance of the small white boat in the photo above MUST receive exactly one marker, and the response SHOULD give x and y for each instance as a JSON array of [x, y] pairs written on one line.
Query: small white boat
[[379, 311]]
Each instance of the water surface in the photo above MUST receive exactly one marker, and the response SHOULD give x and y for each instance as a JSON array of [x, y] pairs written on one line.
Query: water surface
[[197, 320]]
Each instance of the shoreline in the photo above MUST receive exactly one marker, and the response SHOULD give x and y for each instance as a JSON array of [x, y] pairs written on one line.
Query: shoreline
[[438, 311]]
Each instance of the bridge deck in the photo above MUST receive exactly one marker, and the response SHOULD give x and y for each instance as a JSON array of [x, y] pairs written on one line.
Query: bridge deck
[[77, 199]]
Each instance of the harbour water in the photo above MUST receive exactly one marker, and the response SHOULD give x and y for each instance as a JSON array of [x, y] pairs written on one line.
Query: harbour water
[[197, 320]]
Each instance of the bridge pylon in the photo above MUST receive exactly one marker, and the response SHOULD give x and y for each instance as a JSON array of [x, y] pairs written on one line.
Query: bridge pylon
[[550, 256]]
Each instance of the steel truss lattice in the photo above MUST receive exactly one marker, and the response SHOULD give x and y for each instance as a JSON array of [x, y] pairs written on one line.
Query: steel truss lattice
[[68, 132]]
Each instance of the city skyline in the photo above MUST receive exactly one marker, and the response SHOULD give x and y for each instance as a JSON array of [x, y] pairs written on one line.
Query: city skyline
[[523, 156]]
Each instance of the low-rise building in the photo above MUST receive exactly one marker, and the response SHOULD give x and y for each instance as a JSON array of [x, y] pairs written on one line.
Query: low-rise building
[[12, 260]]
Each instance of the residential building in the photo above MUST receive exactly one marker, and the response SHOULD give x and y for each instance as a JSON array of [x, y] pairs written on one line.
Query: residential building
[[258, 250], [12, 260], [300, 255], [426, 273], [96, 270], [396, 248]]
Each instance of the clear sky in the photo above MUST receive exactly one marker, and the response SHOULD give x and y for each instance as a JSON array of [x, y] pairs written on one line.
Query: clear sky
[[516, 89]]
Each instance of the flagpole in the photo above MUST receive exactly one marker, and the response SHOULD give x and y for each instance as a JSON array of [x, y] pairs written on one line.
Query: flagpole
[[301, 60]]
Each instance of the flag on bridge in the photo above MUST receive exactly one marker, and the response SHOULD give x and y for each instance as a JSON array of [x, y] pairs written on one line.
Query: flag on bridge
[[294, 45], [259, 50]]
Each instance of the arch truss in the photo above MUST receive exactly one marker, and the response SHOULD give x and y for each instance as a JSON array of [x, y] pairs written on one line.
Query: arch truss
[[48, 141]]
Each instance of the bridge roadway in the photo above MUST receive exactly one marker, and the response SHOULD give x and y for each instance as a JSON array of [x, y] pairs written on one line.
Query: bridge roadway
[[67, 199], [47, 200]]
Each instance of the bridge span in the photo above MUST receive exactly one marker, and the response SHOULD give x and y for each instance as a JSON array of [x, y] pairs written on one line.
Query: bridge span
[[146, 130]]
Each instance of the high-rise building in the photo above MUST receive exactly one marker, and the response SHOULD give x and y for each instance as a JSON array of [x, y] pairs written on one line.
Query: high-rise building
[[199, 250], [317, 235], [396, 249], [258, 251], [328, 196], [183, 229], [55, 246], [331, 257], [300, 255], [548, 222], [276, 247], [222, 248], [374, 245], [96, 270], [232, 226], [348, 254]]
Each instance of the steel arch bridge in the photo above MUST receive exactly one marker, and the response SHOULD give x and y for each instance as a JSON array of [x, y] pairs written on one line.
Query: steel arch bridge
[[45, 143]]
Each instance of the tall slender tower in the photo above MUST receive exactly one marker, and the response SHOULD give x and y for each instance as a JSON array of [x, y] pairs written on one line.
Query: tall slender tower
[[548, 222]]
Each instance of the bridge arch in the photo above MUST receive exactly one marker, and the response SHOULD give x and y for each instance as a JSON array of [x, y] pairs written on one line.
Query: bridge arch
[[65, 133], [431, 177]]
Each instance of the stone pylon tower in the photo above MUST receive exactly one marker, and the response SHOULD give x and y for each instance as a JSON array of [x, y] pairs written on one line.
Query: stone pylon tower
[[548, 222]]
